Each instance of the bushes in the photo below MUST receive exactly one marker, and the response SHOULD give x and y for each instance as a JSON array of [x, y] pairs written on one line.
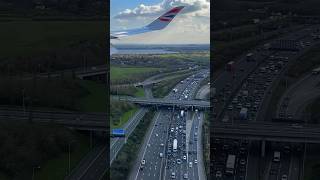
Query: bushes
[[117, 109], [121, 166], [25, 145], [60, 93]]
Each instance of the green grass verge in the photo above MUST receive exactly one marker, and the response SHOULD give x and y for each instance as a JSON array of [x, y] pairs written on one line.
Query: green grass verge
[[312, 168], [121, 166], [121, 73], [305, 63], [26, 37], [96, 100], [139, 93], [124, 118], [314, 110], [57, 168], [120, 111]]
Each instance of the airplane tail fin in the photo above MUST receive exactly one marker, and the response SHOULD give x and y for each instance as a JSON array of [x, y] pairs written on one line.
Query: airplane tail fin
[[165, 19]]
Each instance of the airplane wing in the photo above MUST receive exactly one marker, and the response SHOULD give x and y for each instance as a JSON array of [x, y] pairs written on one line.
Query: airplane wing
[[157, 24]]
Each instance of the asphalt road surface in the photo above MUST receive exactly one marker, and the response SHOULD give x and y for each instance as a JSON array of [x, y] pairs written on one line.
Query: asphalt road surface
[[168, 125]]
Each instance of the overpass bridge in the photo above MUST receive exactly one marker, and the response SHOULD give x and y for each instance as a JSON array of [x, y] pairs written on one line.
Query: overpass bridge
[[159, 102], [264, 131], [75, 120]]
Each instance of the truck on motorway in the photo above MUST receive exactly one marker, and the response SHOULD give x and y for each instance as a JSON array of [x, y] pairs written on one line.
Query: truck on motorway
[[181, 113], [175, 145], [230, 164], [230, 66], [243, 113], [175, 90], [276, 156]]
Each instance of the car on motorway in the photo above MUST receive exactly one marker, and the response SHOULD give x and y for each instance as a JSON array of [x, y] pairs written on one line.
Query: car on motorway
[[196, 161], [178, 161], [284, 177], [185, 176], [242, 161], [173, 175], [161, 155], [218, 174], [190, 164]]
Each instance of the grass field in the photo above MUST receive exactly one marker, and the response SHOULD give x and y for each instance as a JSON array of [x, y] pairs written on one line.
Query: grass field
[[57, 168], [139, 93], [203, 57], [96, 100], [312, 168], [118, 73], [124, 118], [26, 37]]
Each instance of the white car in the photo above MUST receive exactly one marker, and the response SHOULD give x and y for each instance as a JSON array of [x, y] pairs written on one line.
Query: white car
[[190, 164], [179, 161], [143, 162], [196, 161], [284, 177], [184, 157], [218, 174]]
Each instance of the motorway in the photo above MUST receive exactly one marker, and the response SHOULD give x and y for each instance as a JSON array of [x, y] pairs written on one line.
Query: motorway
[[76, 120], [168, 125], [298, 96], [250, 86]]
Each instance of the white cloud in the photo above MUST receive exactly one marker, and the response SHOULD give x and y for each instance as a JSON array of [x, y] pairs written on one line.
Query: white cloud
[[192, 26], [193, 8]]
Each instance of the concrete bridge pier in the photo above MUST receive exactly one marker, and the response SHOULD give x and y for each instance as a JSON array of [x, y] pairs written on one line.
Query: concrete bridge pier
[[263, 148]]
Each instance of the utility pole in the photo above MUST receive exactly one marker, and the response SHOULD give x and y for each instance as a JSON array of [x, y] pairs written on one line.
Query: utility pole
[[33, 171], [69, 159], [23, 101]]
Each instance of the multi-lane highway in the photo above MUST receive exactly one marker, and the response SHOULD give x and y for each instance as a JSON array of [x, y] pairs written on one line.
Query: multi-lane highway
[[160, 157], [247, 88]]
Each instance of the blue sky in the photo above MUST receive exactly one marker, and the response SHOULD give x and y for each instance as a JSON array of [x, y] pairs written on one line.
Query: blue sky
[[193, 21], [119, 5]]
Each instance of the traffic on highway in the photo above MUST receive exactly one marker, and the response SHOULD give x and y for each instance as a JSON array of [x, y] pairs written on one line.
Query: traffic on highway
[[241, 95], [170, 148]]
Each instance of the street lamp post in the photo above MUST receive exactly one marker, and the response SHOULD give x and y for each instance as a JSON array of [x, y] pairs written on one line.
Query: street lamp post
[[69, 159], [33, 171], [23, 101]]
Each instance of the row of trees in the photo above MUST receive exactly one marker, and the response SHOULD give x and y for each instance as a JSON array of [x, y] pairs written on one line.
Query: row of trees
[[120, 168], [77, 55], [59, 93], [117, 109]]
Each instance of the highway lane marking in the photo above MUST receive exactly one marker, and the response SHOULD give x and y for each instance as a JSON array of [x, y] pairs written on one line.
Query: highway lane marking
[[148, 142], [91, 163]]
